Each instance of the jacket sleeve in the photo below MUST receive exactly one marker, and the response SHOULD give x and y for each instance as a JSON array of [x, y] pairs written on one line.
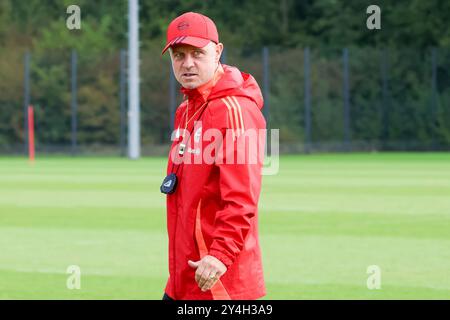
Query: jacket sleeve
[[240, 183]]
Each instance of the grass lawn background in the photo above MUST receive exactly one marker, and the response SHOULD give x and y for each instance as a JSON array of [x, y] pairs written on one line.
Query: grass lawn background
[[323, 220]]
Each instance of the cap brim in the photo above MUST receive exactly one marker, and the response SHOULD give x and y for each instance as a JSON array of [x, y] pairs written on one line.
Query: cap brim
[[193, 41]]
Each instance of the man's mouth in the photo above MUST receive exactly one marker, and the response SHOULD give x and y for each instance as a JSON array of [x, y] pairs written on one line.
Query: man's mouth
[[188, 75]]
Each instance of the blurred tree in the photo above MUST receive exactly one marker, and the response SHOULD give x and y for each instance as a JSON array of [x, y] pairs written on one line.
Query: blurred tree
[[408, 27]]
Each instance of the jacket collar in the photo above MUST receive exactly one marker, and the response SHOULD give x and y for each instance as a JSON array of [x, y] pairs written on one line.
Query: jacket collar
[[205, 89]]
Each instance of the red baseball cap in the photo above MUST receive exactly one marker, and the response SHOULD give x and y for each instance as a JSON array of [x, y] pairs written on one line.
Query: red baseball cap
[[191, 28]]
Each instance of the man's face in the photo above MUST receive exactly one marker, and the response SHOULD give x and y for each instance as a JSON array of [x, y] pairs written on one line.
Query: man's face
[[194, 66]]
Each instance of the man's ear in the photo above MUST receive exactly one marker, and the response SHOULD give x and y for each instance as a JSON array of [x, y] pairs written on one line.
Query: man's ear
[[219, 49]]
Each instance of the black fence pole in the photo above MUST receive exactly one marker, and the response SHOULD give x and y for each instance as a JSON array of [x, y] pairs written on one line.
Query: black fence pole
[[266, 83], [172, 97], [266, 92], [26, 99], [434, 54], [223, 57], [74, 102], [122, 101], [385, 98], [346, 102], [307, 70]]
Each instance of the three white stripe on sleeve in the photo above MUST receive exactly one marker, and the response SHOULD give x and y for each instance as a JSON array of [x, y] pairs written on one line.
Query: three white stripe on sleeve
[[234, 115]]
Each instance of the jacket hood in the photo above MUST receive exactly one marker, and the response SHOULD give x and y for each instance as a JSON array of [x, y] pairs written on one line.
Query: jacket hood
[[234, 83]]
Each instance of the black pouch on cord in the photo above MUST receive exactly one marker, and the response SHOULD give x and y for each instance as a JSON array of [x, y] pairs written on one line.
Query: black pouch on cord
[[169, 184]]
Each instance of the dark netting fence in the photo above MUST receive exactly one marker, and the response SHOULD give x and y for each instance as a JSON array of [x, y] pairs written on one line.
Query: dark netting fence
[[347, 99]]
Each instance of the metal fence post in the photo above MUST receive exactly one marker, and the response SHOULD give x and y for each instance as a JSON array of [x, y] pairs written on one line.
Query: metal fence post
[[266, 92], [385, 98], [434, 54], [346, 102], [307, 120], [74, 102], [172, 97], [26, 99], [134, 104], [266, 83], [223, 57]]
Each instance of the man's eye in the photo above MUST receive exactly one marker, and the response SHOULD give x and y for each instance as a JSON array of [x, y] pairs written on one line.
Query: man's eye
[[197, 53], [177, 55]]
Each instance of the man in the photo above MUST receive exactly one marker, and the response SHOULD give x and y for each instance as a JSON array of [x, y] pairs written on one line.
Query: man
[[214, 250]]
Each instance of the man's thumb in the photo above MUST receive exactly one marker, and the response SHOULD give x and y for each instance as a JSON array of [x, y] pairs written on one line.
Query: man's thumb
[[193, 264]]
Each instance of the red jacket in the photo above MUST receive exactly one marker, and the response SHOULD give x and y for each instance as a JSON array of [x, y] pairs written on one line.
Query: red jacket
[[214, 209]]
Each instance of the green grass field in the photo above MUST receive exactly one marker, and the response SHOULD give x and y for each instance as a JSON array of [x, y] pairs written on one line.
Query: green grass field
[[323, 220]]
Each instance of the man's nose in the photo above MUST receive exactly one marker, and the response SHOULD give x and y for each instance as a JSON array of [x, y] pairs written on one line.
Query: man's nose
[[188, 61]]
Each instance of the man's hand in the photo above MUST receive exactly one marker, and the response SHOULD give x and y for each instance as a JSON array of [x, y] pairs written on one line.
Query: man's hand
[[209, 270]]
